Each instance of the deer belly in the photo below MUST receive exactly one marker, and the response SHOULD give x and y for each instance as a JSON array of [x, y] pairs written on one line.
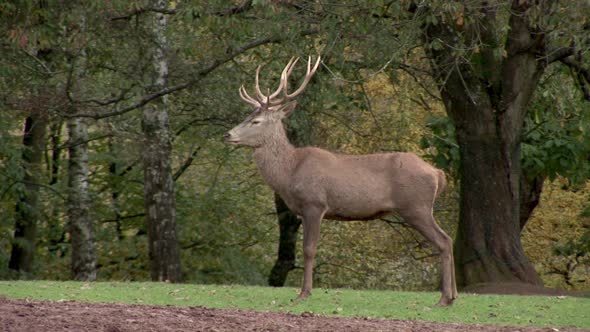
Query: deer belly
[[359, 205]]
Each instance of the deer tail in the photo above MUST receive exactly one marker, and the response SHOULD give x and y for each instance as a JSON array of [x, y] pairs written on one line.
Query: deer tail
[[442, 182]]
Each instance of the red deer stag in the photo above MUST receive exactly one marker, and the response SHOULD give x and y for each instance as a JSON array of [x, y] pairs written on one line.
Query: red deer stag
[[318, 184]]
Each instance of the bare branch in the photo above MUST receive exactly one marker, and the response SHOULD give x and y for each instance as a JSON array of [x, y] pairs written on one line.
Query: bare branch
[[139, 11]]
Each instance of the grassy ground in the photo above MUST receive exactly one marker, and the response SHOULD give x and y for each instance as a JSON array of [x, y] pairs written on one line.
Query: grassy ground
[[554, 311]]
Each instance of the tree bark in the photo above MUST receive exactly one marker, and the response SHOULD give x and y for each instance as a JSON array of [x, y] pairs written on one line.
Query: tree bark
[[55, 151], [530, 196], [27, 208], [288, 228], [488, 246], [80, 224], [83, 264], [159, 197]]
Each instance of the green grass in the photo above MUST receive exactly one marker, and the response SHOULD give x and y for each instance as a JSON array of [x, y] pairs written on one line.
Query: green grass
[[484, 309]]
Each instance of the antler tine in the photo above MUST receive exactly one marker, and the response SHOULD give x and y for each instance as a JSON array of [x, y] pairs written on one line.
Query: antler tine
[[246, 97], [286, 73], [259, 93], [308, 76], [282, 82]]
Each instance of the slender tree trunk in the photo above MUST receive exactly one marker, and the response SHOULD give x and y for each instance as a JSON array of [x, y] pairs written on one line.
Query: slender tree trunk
[[288, 227], [159, 197], [81, 226], [56, 129], [27, 207], [530, 196], [83, 264]]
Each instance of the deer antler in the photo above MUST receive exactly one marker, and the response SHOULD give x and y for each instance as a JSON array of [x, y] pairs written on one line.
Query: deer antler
[[273, 99]]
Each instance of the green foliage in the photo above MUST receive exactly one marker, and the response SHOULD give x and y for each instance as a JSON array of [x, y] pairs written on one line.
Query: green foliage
[[441, 143], [557, 132], [539, 311]]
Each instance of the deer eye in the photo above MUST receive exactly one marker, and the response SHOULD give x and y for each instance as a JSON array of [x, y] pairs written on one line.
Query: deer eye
[[255, 122]]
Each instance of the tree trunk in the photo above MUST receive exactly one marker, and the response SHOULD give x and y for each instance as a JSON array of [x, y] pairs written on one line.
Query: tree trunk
[[288, 227], [488, 247], [159, 197], [114, 174], [27, 207], [83, 264], [530, 196], [55, 151], [81, 226]]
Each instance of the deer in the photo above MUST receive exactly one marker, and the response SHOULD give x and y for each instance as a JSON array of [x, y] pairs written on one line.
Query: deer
[[317, 184]]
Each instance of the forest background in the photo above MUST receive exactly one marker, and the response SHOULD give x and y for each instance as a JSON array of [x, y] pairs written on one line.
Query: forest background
[[112, 164]]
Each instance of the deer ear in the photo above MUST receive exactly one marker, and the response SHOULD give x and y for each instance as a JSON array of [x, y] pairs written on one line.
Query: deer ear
[[288, 108]]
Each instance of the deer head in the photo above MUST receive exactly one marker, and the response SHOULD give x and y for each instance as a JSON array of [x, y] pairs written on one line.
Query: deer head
[[270, 109]]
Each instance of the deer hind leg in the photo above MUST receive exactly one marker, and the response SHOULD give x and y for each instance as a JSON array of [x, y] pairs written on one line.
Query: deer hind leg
[[311, 234], [425, 224]]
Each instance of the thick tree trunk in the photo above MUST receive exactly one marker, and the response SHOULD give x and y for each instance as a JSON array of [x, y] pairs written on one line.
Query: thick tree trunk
[[27, 208], [159, 197], [83, 264], [488, 247], [288, 227]]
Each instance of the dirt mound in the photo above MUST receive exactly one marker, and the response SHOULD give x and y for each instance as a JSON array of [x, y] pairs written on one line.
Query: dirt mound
[[516, 288], [23, 315]]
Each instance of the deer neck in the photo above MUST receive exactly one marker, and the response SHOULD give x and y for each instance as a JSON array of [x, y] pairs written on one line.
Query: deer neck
[[275, 159]]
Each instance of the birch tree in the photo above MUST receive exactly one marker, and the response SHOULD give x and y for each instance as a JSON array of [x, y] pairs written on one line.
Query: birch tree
[[159, 198], [83, 263]]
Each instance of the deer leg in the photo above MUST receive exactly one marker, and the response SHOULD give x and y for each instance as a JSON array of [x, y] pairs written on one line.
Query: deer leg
[[427, 226], [311, 234]]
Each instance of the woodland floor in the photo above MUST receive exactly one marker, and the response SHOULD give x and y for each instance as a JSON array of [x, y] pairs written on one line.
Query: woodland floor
[[25, 315]]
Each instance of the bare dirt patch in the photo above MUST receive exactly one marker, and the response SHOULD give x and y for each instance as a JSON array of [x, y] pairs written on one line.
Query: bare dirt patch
[[24, 315]]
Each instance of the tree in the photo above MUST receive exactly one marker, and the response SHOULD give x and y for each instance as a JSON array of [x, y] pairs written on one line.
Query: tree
[[487, 79], [159, 197], [81, 224], [27, 206]]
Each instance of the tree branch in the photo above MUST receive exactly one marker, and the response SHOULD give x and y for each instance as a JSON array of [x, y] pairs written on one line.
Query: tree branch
[[139, 11], [582, 75], [244, 6], [198, 76], [187, 163]]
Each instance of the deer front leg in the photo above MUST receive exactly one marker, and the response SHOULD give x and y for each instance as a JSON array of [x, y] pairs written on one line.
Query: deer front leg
[[311, 234]]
